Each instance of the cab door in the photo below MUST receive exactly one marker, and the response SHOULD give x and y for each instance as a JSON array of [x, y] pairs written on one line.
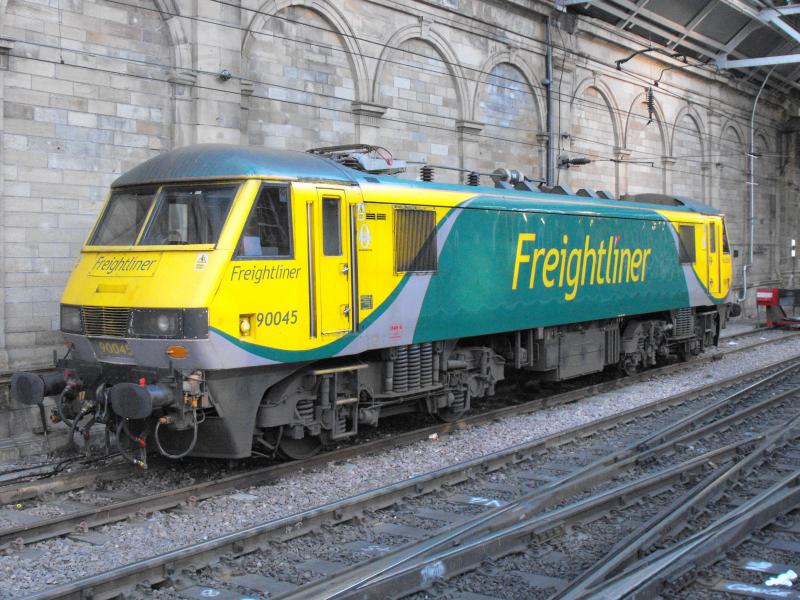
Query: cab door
[[714, 274], [332, 262]]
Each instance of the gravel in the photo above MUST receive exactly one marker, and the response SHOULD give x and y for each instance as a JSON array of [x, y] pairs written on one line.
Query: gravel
[[63, 560]]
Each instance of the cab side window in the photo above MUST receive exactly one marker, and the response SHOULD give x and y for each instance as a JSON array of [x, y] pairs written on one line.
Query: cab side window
[[725, 247], [268, 231], [687, 252], [331, 235]]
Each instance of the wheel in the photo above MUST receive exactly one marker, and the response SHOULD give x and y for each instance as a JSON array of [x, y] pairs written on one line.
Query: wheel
[[630, 365], [290, 448], [457, 408]]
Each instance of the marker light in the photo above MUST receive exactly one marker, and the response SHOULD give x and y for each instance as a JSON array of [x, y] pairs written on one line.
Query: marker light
[[177, 352], [244, 326]]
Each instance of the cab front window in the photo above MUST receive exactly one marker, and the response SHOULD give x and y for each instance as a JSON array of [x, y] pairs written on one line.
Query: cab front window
[[189, 215], [123, 218]]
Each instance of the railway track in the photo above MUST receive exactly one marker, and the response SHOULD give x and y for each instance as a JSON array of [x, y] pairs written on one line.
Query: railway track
[[526, 484], [78, 517], [762, 542], [734, 546], [555, 518]]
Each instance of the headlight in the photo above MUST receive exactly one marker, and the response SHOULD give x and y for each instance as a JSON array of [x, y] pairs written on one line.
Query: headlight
[[170, 323], [71, 319], [157, 323]]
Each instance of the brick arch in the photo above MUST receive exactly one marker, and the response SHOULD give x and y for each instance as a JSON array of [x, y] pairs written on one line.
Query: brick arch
[[645, 171], [691, 113], [731, 125], [179, 40], [595, 133], [690, 152], [332, 15], [169, 11], [506, 104], [508, 58], [659, 119], [605, 92], [765, 138], [438, 43]]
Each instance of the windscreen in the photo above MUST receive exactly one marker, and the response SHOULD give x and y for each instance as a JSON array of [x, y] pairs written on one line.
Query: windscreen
[[123, 218], [189, 215]]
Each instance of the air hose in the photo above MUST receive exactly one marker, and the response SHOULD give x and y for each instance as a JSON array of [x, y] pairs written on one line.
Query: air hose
[[122, 425], [191, 445], [60, 407]]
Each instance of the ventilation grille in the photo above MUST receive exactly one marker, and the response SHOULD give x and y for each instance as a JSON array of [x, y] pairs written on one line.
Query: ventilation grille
[[100, 320], [415, 240], [684, 323], [376, 216]]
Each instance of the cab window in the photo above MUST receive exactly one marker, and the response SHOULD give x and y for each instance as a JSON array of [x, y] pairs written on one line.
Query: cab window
[[123, 218], [268, 231], [687, 252], [331, 235], [725, 248], [189, 215]]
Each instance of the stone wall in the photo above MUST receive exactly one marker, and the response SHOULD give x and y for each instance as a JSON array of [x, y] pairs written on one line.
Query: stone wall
[[90, 88]]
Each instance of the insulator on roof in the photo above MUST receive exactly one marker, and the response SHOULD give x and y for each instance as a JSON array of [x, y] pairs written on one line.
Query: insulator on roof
[[473, 178], [426, 173], [511, 179]]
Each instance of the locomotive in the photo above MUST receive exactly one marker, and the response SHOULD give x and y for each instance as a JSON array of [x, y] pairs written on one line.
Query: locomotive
[[237, 300]]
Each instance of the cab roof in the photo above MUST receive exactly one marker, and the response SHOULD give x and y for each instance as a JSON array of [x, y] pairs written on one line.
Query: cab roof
[[225, 161]]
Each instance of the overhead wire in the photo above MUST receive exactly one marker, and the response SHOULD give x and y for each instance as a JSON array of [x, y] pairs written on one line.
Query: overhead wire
[[426, 125], [738, 180], [383, 45], [495, 27], [603, 105]]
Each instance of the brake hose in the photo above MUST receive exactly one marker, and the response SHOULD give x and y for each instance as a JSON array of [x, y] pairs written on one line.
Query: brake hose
[[191, 445]]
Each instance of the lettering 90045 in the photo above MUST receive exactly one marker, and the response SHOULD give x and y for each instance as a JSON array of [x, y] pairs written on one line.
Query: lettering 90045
[[110, 348], [275, 318]]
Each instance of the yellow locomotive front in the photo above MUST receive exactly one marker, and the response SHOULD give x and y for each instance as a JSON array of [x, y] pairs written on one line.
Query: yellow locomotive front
[[148, 273], [159, 273]]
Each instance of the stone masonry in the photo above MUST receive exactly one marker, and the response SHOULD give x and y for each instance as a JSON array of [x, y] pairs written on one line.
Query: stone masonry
[[90, 88]]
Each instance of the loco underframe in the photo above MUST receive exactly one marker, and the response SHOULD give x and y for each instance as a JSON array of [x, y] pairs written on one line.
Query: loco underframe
[[296, 408]]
